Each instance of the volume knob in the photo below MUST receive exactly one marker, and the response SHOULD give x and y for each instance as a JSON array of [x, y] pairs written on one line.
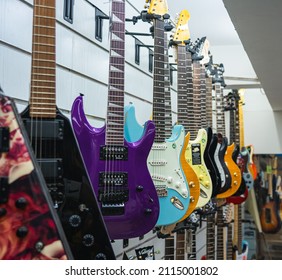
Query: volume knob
[[101, 256], [88, 240], [75, 221]]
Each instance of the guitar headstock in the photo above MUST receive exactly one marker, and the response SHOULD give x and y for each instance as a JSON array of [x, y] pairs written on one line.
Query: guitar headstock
[[157, 7], [228, 213], [181, 33], [217, 74], [197, 49]]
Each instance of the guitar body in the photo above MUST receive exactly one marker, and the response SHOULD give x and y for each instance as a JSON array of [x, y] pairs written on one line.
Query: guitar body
[[195, 157], [129, 204], [29, 225], [209, 156], [220, 160], [247, 175], [235, 173], [244, 254], [58, 155], [169, 178], [166, 178], [269, 217]]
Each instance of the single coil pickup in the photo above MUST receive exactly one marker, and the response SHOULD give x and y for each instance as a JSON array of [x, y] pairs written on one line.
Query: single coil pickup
[[112, 209], [4, 139], [45, 129], [161, 190], [113, 153], [113, 196], [159, 147], [111, 179], [158, 163], [159, 178]]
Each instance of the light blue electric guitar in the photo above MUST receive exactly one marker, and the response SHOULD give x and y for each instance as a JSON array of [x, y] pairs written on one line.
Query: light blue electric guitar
[[166, 161]]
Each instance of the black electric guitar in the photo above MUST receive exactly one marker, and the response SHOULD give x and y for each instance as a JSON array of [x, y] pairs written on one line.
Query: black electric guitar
[[28, 221], [56, 149]]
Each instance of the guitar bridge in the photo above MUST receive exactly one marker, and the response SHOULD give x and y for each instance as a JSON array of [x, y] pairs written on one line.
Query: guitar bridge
[[113, 192]]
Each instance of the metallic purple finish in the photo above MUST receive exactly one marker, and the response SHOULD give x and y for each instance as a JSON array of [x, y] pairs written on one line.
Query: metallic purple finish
[[135, 221]]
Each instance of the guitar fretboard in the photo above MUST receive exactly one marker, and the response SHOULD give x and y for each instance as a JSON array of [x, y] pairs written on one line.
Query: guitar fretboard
[[220, 120], [182, 86], [220, 235], [191, 244], [237, 241], [115, 109], [209, 101], [169, 248], [43, 70], [159, 81], [196, 97], [203, 90], [180, 246], [229, 243], [210, 254], [168, 115]]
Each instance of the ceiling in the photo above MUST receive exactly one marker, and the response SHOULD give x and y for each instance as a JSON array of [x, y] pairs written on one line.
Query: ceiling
[[255, 24]]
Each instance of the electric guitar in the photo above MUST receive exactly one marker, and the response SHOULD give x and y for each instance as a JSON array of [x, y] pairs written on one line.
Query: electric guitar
[[166, 161], [117, 168], [30, 227], [234, 173], [179, 41], [269, 215], [56, 149], [196, 148], [235, 107]]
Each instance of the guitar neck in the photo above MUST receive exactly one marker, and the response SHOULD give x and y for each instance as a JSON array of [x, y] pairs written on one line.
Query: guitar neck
[[197, 94], [169, 247], [192, 244], [220, 235], [210, 237], [203, 90], [115, 108], [220, 118], [180, 245], [182, 87], [168, 115], [209, 101], [237, 239], [159, 81], [43, 70]]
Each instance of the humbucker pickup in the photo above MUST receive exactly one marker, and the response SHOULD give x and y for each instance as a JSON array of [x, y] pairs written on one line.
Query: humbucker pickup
[[113, 153], [45, 129]]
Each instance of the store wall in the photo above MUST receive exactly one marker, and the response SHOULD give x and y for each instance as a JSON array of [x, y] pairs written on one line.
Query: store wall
[[82, 67]]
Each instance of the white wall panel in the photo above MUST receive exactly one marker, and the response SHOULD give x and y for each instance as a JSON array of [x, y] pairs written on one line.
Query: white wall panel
[[16, 23], [15, 72]]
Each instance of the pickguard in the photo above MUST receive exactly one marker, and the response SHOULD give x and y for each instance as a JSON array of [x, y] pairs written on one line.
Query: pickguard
[[195, 157]]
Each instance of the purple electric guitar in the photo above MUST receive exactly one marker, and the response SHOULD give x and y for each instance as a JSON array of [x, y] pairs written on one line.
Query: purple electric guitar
[[118, 169]]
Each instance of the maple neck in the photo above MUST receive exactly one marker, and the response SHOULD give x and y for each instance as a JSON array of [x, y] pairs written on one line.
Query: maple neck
[[159, 81], [169, 248], [209, 101], [210, 254], [43, 68], [182, 86], [192, 127], [241, 124], [203, 89], [180, 246], [220, 119], [237, 241], [220, 234], [197, 96], [168, 115], [115, 108]]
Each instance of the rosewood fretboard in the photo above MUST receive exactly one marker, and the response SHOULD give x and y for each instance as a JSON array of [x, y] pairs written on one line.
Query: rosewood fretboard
[[115, 110]]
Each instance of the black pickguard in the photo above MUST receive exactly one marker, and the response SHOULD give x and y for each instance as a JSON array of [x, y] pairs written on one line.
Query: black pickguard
[[221, 154], [210, 162], [70, 188]]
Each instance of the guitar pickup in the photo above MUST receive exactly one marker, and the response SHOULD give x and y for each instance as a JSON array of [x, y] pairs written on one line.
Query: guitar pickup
[[113, 153], [4, 139], [4, 190], [45, 129], [51, 168]]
